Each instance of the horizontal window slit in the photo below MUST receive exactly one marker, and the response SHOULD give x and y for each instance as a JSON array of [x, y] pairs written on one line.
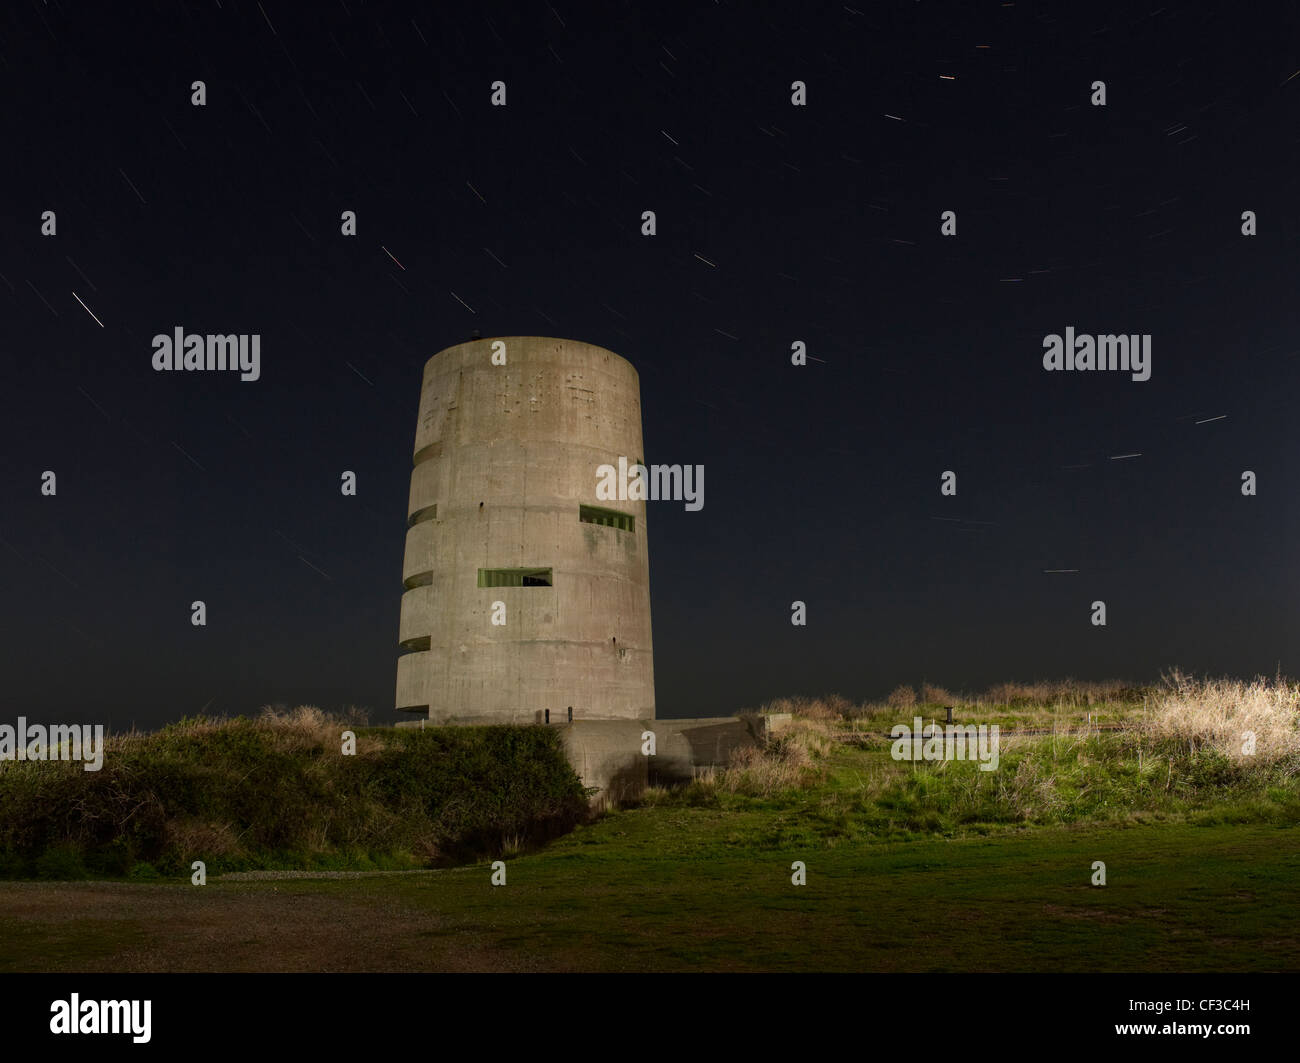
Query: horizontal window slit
[[514, 577], [607, 518]]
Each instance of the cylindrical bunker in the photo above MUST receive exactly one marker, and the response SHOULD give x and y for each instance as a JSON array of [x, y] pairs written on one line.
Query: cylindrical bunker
[[524, 591]]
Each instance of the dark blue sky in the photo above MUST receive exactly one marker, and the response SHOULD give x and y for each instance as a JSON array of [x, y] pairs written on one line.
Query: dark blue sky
[[822, 224]]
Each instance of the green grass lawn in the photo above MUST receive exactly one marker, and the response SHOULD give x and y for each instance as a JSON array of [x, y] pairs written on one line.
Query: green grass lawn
[[674, 889], [935, 866]]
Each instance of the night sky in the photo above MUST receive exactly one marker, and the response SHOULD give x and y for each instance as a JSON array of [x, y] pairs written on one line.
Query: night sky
[[776, 223]]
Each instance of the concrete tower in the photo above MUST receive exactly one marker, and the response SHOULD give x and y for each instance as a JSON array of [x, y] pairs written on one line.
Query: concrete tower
[[503, 509]]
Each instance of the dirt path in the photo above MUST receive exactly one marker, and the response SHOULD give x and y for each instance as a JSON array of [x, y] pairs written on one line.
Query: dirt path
[[112, 927]]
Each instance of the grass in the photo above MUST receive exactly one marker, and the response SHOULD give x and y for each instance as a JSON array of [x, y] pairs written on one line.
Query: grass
[[911, 867], [857, 794], [1208, 751], [659, 889]]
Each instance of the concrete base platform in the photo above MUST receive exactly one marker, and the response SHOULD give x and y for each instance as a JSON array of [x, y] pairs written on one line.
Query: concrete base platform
[[608, 757]]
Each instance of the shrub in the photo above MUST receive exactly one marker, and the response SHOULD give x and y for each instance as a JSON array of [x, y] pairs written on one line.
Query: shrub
[[276, 791], [935, 695], [901, 697], [59, 862]]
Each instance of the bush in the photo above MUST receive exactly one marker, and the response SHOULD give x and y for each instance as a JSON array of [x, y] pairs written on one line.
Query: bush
[[901, 697], [60, 862], [935, 695], [277, 792]]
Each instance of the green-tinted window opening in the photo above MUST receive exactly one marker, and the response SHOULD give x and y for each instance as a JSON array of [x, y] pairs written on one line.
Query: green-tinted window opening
[[514, 577], [608, 518]]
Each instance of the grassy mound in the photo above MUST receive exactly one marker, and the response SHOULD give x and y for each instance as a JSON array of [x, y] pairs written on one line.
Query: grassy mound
[[277, 792], [1195, 752]]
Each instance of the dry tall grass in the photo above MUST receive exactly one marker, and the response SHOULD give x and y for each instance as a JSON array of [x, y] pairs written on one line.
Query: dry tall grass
[[1220, 713], [786, 760], [308, 727], [1055, 694], [1060, 691], [901, 697], [829, 707], [937, 695], [288, 730]]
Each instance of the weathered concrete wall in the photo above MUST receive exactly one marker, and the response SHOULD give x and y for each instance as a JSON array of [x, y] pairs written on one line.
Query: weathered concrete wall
[[504, 457], [607, 753]]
